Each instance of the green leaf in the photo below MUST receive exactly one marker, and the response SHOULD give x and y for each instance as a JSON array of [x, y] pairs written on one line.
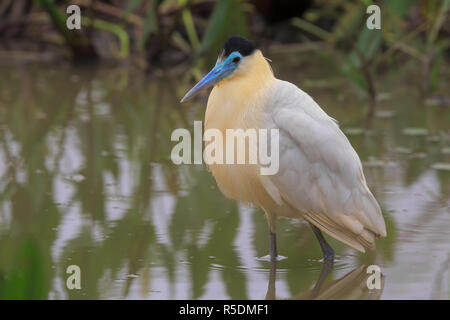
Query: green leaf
[[130, 7], [227, 19], [398, 7], [369, 42], [189, 24], [150, 25]]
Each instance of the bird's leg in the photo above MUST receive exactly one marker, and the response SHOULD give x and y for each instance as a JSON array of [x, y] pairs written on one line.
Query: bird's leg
[[270, 294], [326, 270], [327, 251], [273, 246], [272, 221]]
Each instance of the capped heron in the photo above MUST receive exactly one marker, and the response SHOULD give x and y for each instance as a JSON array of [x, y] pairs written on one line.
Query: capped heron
[[320, 176]]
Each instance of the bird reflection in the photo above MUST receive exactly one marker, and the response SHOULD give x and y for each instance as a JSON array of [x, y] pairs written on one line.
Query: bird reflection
[[351, 286]]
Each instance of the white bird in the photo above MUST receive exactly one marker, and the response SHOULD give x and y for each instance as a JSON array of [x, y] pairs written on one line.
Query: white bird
[[320, 177]]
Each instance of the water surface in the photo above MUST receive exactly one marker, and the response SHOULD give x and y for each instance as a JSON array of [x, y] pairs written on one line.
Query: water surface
[[86, 179]]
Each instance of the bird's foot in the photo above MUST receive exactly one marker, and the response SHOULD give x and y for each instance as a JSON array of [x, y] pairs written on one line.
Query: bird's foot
[[268, 258], [328, 255]]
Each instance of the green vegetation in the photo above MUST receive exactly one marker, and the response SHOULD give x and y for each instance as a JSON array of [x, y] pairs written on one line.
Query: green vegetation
[[169, 34]]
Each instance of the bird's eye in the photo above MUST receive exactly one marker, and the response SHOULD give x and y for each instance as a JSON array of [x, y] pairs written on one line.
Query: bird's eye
[[236, 59]]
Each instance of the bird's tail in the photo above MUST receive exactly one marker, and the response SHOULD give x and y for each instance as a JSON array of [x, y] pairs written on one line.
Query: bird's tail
[[357, 241]]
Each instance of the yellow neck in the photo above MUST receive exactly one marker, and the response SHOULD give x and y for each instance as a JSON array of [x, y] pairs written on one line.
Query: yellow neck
[[237, 103], [253, 74], [233, 99]]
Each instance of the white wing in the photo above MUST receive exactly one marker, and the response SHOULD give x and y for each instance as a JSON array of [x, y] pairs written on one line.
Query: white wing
[[320, 173]]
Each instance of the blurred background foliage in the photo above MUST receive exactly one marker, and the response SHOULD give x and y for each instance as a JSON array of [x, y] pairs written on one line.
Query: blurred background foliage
[[168, 34]]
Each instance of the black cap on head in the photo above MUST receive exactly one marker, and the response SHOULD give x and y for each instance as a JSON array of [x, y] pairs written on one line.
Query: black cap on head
[[236, 43]]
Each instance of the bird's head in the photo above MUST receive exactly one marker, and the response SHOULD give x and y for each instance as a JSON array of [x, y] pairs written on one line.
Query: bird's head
[[231, 61]]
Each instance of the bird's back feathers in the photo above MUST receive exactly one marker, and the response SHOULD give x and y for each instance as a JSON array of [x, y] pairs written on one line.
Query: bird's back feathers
[[320, 173]]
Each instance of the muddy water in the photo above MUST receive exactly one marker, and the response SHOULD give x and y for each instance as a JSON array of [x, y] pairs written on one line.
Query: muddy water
[[86, 179]]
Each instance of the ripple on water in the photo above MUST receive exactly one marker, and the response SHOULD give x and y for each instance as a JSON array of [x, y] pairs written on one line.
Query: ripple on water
[[267, 258]]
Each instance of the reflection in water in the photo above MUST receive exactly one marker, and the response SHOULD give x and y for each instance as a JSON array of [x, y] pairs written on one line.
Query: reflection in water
[[86, 179], [351, 286]]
